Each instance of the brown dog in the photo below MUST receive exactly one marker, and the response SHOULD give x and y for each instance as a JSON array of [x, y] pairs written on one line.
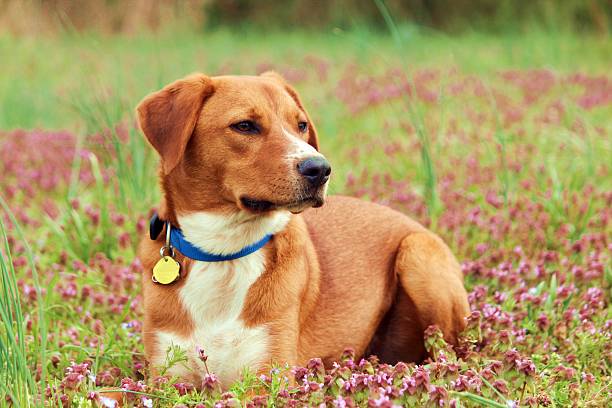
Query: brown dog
[[239, 162]]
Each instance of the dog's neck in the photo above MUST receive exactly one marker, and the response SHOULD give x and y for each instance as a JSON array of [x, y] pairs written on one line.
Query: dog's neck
[[229, 233]]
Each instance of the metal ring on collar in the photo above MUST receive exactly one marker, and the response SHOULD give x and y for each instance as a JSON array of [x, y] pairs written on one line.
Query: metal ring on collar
[[169, 248], [168, 245]]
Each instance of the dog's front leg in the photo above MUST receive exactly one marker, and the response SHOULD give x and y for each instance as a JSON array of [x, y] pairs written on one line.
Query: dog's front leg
[[284, 342]]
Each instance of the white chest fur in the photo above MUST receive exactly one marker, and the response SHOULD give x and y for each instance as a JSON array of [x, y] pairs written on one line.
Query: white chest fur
[[214, 294]]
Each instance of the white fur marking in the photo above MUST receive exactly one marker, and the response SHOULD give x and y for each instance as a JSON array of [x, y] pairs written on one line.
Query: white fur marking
[[226, 234], [219, 330], [214, 296], [298, 149]]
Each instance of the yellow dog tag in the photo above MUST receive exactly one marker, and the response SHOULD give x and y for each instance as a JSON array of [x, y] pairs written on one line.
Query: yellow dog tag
[[166, 270]]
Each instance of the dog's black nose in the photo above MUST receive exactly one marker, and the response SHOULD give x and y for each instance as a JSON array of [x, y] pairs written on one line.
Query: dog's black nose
[[315, 169]]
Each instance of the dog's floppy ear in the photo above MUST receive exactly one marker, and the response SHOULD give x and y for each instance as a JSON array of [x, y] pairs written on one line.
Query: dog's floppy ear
[[313, 139], [168, 117]]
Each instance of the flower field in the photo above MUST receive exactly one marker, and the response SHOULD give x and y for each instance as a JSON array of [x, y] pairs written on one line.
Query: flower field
[[502, 147]]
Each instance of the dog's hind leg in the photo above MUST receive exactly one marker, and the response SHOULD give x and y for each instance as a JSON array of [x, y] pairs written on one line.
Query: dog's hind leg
[[430, 291]]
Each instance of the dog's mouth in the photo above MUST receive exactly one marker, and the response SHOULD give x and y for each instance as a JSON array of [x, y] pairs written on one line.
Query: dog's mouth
[[295, 207]]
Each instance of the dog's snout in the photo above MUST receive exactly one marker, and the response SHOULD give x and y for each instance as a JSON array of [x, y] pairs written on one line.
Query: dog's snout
[[315, 169]]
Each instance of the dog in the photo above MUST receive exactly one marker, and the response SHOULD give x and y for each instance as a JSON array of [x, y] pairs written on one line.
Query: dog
[[250, 263]]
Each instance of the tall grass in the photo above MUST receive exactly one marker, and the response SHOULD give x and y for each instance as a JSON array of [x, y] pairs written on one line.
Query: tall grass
[[77, 234], [19, 360], [417, 118], [129, 189], [132, 160], [501, 139]]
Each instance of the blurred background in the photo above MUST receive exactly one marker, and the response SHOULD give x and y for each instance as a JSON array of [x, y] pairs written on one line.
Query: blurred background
[[50, 47], [115, 16]]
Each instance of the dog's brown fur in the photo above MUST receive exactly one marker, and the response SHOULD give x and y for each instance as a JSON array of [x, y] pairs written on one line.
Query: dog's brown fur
[[348, 274]]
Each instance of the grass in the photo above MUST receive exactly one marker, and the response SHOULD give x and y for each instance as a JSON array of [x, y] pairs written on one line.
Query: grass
[[39, 88], [18, 383], [500, 144]]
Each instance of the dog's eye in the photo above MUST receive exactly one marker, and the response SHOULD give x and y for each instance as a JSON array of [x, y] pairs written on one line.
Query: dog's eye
[[245, 126], [303, 126]]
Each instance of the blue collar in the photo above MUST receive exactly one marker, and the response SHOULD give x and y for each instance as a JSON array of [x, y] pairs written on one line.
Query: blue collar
[[178, 241]]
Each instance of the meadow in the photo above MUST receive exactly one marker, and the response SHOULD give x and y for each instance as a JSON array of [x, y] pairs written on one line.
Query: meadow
[[500, 144]]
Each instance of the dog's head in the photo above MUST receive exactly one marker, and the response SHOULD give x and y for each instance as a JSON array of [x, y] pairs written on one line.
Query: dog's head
[[241, 142]]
